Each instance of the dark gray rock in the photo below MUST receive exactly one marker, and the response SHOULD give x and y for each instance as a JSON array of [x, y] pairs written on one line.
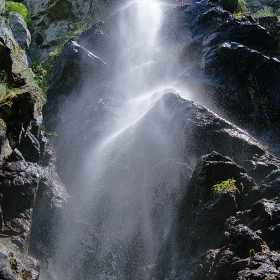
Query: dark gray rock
[[14, 265], [22, 101], [23, 147], [230, 222], [19, 184], [30, 148], [50, 201], [15, 156], [20, 30], [72, 68], [202, 216], [5, 147], [57, 20], [229, 5], [232, 61]]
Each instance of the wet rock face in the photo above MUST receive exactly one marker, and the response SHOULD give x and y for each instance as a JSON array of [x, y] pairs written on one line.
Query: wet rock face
[[19, 183], [25, 158], [70, 73], [240, 226], [234, 61], [232, 233], [48, 209], [17, 266]]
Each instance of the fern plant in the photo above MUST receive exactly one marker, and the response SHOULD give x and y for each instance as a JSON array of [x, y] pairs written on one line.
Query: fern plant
[[228, 185]]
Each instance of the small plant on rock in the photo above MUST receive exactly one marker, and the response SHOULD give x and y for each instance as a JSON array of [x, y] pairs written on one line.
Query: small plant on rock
[[264, 12], [228, 185]]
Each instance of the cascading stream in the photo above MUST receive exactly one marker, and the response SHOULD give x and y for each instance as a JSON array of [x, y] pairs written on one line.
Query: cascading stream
[[125, 189]]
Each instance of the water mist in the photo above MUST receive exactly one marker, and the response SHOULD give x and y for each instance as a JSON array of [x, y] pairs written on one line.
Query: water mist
[[124, 174]]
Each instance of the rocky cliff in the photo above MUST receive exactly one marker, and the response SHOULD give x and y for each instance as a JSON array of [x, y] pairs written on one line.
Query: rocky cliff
[[27, 162], [229, 60], [57, 20]]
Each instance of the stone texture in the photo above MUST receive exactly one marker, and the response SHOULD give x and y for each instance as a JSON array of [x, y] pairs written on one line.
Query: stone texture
[[17, 266], [21, 101], [2, 4], [231, 61], [57, 19], [5, 147], [23, 148], [241, 228], [20, 30], [70, 72], [19, 184]]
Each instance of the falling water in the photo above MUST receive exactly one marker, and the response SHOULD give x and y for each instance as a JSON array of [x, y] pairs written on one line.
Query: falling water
[[125, 176]]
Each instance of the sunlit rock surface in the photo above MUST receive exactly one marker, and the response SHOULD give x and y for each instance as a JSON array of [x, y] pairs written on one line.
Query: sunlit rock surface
[[20, 30], [57, 19]]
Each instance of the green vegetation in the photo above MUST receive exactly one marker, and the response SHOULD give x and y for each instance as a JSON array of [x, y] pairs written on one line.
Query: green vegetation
[[55, 53], [3, 89], [41, 77], [252, 253], [224, 186], [17, 8], [66, 35], [238, 15], [264, 12], [7, 95], [3, 84]]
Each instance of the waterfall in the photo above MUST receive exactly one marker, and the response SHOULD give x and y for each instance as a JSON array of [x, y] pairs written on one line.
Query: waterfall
[[125, 180]]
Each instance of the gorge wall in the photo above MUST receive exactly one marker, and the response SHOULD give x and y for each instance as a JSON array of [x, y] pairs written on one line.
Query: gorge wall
[[209, 56]]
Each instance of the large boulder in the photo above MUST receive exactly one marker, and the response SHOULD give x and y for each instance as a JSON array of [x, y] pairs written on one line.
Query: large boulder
[[233, 62], [20, 30], [242, 61], [74, 67], [202, 216], [19, 184], [223, 234]]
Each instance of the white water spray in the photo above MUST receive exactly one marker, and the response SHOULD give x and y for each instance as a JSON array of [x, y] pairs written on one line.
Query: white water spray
[[127, 183]]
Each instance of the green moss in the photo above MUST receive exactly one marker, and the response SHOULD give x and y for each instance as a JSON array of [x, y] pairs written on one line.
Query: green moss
[[264, 12], [3, 89], [242, 8], [224, 186], [238, 15], [21, 9], [17, 8]]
